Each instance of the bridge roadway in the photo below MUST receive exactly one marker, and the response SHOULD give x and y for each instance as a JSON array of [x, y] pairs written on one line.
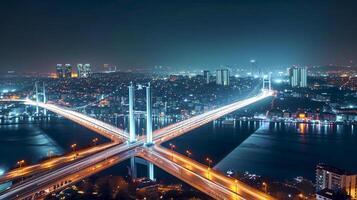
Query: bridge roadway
[[52, 163], [224, 185], [114, 133]]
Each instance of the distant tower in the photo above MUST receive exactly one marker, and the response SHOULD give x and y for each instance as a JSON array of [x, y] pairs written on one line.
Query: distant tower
[[222, 77], [206, 76], [298, 76], [67, 71], [131, 114], [84, 71]]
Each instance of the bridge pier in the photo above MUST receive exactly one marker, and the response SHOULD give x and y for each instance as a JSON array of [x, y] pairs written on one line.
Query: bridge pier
[[44, 97], [37, 99], [151, 171], [131, 114], [148, 116], [133, 168]]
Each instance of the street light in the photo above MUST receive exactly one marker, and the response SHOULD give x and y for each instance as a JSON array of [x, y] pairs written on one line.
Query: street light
[[73, 146], [209, 162], [189, 153], [236, 184], [265, 187], [95, 140], [20, 163], [172, 150]]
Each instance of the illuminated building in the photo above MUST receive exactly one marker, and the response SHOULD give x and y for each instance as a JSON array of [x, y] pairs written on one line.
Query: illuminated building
[[64, 71], [328, 177], [206, 76], [84, 71], [298, 76], [222, 77]]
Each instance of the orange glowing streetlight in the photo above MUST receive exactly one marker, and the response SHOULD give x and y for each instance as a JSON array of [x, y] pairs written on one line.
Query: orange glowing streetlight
[[21, 163], [265, 185], [209, 162], [189, 153], [95, 140], [172, 146], [73, 146]]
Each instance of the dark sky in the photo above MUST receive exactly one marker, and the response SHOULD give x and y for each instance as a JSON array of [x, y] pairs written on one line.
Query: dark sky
[[35, 35]]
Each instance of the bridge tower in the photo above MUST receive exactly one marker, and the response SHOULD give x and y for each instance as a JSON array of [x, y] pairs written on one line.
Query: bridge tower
[[131, 114], [37, 98], [44, 97], [148, 115], [267, 82]]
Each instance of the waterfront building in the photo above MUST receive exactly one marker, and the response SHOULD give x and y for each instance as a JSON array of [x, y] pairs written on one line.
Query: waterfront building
[[327, 194], [328, 177]]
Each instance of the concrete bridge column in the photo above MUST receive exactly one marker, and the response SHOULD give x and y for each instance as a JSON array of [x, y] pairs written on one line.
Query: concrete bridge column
[[148, 116], [131, 114], [133, 168], [37, 98], [151, 171], [44, 98]]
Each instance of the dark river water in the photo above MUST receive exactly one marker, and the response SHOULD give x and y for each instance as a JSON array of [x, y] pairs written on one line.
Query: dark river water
[[33, 141], [276, 150]]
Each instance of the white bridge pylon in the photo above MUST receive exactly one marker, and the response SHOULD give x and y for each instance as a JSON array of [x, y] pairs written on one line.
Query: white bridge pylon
[[267, 82], [132, 132]]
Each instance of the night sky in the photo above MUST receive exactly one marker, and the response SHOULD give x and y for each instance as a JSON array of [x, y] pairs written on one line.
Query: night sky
[[35, 35]]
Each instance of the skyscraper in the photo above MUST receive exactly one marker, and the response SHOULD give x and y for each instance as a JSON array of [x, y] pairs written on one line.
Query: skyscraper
[[206, 76], [222, 77], [84, 71], [59, 71], [298, 76], [67, 71], [64, 71]]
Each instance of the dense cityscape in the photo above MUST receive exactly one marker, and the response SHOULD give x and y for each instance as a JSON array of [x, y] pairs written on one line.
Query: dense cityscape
[[87, 126]]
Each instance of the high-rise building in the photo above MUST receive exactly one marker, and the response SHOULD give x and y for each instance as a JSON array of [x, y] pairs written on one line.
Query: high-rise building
[[222, 77], [206, 76], [84, 71], [64, 71], [336, 179], [298, 76], [59, 70], [67, 71]]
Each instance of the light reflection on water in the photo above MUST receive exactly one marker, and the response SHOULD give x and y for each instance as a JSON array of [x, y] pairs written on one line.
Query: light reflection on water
[[287, 150]]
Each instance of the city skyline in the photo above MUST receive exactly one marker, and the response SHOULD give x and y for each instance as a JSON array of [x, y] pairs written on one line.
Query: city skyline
[[180, 34]]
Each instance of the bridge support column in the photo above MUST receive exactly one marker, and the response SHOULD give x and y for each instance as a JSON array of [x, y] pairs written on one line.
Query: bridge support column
[[148, 116], [37, 99], [44, 98], [269, 77], [133, 168], [151, 171], [131, 114]]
